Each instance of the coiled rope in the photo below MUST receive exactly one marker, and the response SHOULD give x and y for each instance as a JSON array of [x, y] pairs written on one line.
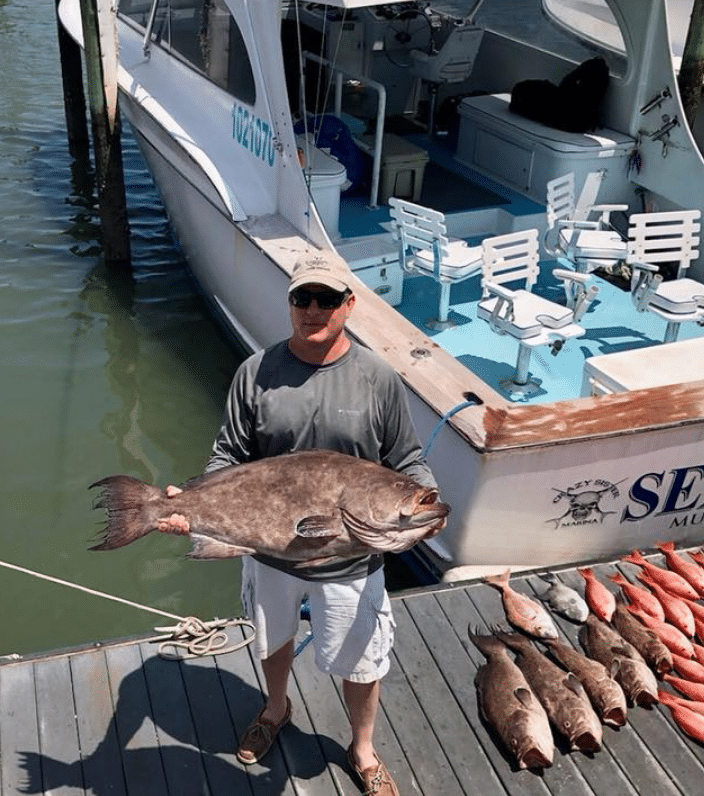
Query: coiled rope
[[195, 637]]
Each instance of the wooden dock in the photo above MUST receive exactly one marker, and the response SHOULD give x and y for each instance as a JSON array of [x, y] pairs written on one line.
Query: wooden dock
[[117, 719]]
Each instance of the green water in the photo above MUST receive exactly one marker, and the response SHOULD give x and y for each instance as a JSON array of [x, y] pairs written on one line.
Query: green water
[[100, 372]]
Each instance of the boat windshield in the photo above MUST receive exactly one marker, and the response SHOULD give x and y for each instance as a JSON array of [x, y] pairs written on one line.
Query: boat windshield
[[201, 32], [572, 29]]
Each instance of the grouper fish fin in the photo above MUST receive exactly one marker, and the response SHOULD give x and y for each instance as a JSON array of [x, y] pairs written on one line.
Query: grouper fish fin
[[204, 547], [317, 526], [525, 697], [133, 508]]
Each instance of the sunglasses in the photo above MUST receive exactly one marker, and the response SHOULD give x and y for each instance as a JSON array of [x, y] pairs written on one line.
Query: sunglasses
[[326, 299]]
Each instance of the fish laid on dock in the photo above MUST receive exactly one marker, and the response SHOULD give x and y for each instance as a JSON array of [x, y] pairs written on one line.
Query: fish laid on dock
[[673, 638], [639, 597], [510, 706], [521, 611], [689, 721], [601, 601], [653, 649], [560, 693], [563, 599], [605, 694], [622, 659], [312, 507], [665, 578], [692, 573], [677, 610]]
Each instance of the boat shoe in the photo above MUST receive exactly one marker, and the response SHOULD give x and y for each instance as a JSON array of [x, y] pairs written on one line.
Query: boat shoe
[[376, 779], [260, 736]]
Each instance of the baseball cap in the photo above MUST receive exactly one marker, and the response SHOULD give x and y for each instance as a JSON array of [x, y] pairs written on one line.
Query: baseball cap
[[321, 268]]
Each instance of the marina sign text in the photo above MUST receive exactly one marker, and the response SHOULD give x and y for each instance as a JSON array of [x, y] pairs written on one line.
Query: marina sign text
[[253, 133]]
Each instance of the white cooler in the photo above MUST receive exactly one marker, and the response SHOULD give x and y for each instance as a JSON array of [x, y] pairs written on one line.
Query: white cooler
[[326, 176], [375, 261], [526, 155]]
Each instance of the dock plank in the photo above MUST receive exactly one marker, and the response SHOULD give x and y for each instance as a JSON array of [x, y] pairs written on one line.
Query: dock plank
[[19, 734], [119, 719], [102, 763], [58, 730], [134, 724]]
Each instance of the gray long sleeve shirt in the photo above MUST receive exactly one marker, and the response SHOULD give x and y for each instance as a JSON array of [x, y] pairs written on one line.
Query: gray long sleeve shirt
[[356, 405]]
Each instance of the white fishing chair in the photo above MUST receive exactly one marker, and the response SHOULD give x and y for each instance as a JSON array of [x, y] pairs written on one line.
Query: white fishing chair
[[424, 247], [532, 320], [669, 237], [579, 233], [452, 63]]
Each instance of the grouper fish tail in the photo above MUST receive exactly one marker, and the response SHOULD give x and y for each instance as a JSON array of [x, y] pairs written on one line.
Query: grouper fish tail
[[132, 508]]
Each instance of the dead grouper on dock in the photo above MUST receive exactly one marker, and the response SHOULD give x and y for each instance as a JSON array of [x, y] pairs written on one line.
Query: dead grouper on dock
[[622, 659], [309, 507], [563, 599], [605, 694], [521, 611], [561, 694], [646, 641], [509, 705]]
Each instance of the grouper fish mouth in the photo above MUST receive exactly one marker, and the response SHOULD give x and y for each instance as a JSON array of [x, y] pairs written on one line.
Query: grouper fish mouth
[[309, 507]]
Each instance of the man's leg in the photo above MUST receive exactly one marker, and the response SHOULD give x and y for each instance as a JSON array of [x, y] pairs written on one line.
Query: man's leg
[[277, 668], [362, 700]]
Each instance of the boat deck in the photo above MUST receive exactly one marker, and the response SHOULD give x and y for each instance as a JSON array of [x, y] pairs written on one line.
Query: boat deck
[[118, 719], [612, 324]]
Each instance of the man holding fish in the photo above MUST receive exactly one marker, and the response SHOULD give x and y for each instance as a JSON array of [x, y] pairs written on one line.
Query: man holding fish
[[321, 390]]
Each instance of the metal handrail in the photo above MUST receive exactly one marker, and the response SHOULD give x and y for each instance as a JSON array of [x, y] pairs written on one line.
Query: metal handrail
[[380, 114]]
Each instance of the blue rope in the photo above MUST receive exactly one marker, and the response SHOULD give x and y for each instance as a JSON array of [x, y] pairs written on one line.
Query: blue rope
[[444, 420]]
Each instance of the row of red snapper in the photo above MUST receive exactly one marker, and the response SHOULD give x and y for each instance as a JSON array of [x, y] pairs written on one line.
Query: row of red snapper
[[630, 638]]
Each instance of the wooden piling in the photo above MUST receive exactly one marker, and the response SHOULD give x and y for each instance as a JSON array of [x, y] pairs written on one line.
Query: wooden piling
[[74, 97], [105, 125], [692, 67]]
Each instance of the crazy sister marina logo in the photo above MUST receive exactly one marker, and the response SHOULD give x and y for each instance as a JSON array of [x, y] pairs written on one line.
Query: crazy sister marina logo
[[585, 503], [673, 498]]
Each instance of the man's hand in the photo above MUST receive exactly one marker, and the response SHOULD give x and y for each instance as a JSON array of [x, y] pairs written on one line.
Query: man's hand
[[176, 523]]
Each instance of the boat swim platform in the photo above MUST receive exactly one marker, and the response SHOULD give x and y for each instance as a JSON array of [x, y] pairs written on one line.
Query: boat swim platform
[[117, 719]]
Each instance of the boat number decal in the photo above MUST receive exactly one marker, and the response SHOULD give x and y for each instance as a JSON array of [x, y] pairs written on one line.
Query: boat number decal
[[676, 496], [253, 133]]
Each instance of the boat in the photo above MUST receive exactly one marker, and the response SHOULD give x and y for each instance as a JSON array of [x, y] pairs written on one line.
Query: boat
[[277, 128]]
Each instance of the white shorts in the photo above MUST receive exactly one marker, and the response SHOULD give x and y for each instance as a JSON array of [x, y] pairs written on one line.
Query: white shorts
[[352, 623]]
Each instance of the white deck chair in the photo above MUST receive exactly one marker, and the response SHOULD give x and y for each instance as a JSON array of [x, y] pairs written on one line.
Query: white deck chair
[[531, 319], [579, 233], [670, 237], [425, 248]]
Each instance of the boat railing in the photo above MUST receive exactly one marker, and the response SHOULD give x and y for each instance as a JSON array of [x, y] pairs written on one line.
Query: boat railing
[[375, 151]]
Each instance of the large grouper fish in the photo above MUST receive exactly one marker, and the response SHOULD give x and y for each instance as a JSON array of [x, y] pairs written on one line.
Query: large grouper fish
[[310, 507]]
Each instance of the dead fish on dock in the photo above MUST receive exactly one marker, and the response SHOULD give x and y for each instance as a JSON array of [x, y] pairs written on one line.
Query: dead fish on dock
[[689, 721], [692, 573], [622, 659], [605, 694], [673, 638], [601, 601], [510, 706], [653, 649], [665, 578], [559, 692], [562, 599], [521, 611], [311, 507]]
